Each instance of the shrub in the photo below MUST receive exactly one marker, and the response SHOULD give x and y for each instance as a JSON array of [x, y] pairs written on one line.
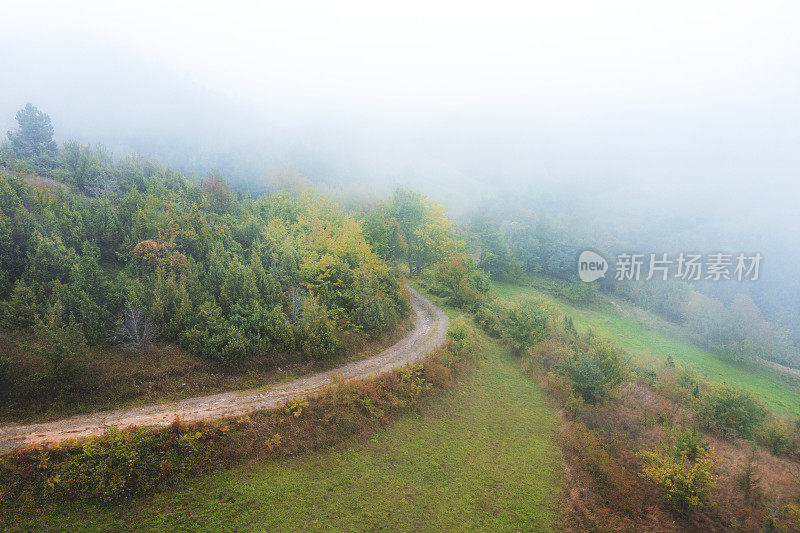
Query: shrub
[[461, 337], [235, 347], [778, 435], [207, 336], [316, 336], [491, 318], [5, 283], [277, 328], [689, 443], [266, 330], [610, 362], [373, 310], [94, 320], [107, 468], [460, 282], [62, 345], [20, 310], [436, 372], [526, 325], [552, 353], [748, 478], [569, 326], [587, 379], [732, 411], [581, 293], [558, 386], [686, 483]]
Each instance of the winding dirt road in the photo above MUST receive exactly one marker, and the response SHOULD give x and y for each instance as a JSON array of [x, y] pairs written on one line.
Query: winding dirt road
[[430, 328]]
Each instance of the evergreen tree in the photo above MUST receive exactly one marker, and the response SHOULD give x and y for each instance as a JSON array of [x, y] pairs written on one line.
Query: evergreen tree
[[35, 133]]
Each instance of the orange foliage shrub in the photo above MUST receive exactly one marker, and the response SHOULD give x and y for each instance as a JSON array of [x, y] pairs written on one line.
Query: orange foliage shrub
[[149, 251]]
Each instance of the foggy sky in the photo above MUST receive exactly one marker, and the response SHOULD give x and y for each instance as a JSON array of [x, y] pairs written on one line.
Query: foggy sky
[[668, 105]]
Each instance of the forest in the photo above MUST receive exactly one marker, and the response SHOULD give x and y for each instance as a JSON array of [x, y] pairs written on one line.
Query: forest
[[741, 323], [126, 254]]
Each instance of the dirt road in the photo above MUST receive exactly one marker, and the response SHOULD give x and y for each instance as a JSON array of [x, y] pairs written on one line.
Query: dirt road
[[430, 327]]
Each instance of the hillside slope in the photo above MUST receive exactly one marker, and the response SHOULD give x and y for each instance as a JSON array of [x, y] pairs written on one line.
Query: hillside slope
[[482, 457], [429, 331]]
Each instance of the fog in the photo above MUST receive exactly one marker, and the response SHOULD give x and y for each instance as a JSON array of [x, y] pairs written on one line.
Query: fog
[[676, 108]]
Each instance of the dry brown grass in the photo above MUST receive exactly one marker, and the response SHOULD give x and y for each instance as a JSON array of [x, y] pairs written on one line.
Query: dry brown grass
[[43, 182], [606, 493]]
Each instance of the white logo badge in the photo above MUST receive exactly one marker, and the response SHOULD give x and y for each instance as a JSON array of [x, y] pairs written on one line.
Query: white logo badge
[[591, 266]]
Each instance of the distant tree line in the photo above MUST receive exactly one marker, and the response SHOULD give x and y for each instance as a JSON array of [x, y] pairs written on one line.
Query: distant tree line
[[511, 241]]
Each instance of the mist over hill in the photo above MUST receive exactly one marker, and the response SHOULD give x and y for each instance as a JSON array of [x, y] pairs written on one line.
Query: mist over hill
[[686, 140]]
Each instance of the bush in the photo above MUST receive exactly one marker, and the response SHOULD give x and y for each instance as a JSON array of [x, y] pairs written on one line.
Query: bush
[[316, 336], [613, 480], [732, 411], [779, 435], [20, 310], [460, 282], [62, 345], [277, 328], [690, 443], [107, 468], [436, 372], [526, 325], [686, 482], [94, 320], [595, 373], [491, 318], [235, 347], [207, 336], [373, 310], [5, 283], [461, 337], [587, 379], [613, 366], [551, 353], [581, 293]]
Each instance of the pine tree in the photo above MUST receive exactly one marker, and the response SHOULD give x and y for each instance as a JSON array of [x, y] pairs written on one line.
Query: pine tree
[[35, 133]]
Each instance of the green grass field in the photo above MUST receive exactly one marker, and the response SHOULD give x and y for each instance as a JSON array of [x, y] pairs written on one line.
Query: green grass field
[[651, 339], [482, 456]]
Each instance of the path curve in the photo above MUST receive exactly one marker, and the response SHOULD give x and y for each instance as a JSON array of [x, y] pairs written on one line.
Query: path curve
[[430, 329]]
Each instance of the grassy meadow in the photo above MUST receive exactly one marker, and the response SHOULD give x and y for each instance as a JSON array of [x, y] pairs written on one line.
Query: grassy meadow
[[651, 339]]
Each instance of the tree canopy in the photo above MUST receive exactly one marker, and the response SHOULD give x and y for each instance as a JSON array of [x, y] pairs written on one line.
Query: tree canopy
[[34, 136], [226, 276]]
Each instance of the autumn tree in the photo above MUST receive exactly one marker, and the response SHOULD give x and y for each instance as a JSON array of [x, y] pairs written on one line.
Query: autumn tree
[[427, 231], [382, 232]]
